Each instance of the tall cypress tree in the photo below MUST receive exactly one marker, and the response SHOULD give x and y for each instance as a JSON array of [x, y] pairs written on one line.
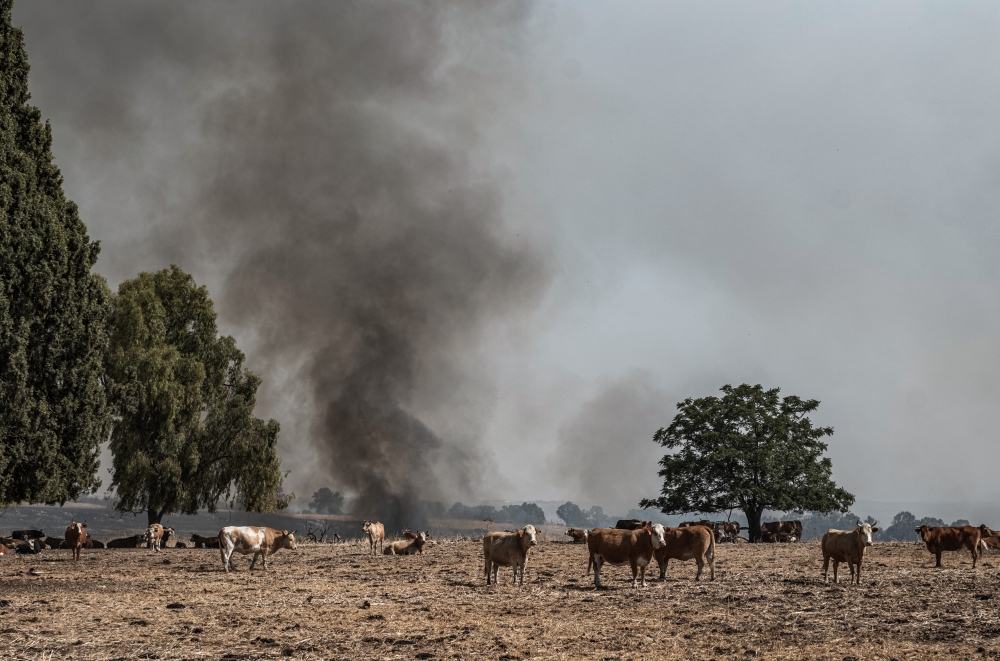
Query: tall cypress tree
[[53, 309]]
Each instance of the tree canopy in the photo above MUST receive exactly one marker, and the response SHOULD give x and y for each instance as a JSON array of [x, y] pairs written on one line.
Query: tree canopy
[[53, 309], [574, 516], [187, 436], [326, 501], [749, 450]]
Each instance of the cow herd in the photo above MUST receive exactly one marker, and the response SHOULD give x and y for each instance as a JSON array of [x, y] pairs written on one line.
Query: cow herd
[[632, 542]]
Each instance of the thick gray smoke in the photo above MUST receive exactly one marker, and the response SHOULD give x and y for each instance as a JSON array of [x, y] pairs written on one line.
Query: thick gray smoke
[[323, 179]]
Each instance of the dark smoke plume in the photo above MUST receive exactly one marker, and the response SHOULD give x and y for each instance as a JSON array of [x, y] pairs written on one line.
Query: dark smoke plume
[[316, 160]]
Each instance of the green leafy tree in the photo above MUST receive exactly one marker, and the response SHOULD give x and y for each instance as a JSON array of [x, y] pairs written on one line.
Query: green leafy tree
[[572, 515], [53, 310], [187, 437], [326, 502], [749, 450]]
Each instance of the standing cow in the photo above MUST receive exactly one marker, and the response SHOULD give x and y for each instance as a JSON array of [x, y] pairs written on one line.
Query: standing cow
[[617, 547], [950, 538], [691, 543], [76, 537], [376, 536], [508, 549], [259, 540], [846, 546], [579, 535], [153, 537]]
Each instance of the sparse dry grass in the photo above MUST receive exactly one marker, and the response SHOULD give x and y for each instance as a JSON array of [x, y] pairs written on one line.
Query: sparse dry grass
[[334, 602]]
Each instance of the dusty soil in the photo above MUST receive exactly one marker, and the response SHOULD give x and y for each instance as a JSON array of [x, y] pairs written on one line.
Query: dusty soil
[[336, 602]]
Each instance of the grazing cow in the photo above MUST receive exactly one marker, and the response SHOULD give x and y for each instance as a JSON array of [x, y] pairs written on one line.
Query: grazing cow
[[617, 547], [950, 538], [153, 537], [412, 545], [508, 549], [76, 536], [205, 542], [846, 546], [579, 535], [630, 524], [376, 536], [259, 540], [692, 543], [131, 542], [25, 535]]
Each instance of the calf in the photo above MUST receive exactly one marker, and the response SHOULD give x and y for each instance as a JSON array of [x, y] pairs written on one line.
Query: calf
[[692, 543], [410, 546], [205, 542], [153, 537], [950, 538], [617, 547], [76, 536], [508, 549], [846, 546], [376, 536], [579, 535], [259, 540]]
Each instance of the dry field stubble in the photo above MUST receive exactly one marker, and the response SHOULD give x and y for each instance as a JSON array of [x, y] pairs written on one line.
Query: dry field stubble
[[333, 601]]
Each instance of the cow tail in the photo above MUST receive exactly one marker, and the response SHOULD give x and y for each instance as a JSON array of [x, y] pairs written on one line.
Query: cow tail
[[711, 551]]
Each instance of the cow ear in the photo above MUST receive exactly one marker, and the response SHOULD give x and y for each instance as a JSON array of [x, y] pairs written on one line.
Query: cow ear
[[874, 529], [857, 531], [520, 533]]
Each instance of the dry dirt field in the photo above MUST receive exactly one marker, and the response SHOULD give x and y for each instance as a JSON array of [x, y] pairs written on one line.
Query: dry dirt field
[[335, 602]]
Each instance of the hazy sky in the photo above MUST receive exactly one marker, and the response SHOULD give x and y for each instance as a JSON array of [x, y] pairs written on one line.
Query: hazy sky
[[667, 197]]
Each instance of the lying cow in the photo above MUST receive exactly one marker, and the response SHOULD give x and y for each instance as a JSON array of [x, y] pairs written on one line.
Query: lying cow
[[4, 550], [131, 542], [411, 546], [783, 531], [616, 547], [25, 535], [579, 535], [205, 542], [259, 540], [76, 536], [846, 546], [508, 549], [692, 543], [950, 538], [30, 547], [376, 536]]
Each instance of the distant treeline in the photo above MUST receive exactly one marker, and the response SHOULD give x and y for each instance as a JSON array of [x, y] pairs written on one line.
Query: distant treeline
[[522, 514]]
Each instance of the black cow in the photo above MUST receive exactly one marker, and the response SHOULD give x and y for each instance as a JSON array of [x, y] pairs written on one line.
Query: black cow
[[630, 524]]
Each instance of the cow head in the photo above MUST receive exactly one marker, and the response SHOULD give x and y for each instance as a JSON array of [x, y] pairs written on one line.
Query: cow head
[[528, 536], [286, 540], [657, 532], [985, 531], [78, 527], [367, 526], [924, 532], [864, 531]]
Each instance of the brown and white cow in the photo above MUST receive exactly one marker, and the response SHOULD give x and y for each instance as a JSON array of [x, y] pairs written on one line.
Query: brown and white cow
[[376, 536], [4, 550], [410, 546], [508, 549], [950, 538], [153, 536], [579, 535], [259, 540], [616, 547], [692, 543], [783, 531], [846, 546], [76, 536]]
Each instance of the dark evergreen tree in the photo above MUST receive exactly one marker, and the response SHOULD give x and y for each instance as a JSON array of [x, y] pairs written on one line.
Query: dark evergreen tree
[[749, 450], [326, 501], [187, 436], [53, 309]]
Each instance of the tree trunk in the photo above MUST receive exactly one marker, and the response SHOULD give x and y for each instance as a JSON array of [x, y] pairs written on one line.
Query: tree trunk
[[753, 523], [153, 516]]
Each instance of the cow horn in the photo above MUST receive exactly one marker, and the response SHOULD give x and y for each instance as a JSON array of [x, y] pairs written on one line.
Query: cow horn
[[875, 524]]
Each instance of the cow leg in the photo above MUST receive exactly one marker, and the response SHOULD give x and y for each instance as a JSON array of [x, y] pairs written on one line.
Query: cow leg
[[826, 569], [836, 567], [859, 572], [974, 556], [635, 572], [486, 560], [642, 572], [263, 556], [701, 566], [598, 561], [254, 562], [663, 568], [938, 556]]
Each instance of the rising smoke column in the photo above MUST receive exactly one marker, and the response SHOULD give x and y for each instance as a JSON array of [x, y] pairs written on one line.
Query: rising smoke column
[[324, 173]]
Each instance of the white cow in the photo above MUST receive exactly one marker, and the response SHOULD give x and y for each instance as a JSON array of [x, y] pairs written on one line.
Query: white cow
[[259, 540]]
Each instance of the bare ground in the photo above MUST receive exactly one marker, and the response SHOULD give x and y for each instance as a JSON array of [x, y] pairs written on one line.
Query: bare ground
[[336, 602]]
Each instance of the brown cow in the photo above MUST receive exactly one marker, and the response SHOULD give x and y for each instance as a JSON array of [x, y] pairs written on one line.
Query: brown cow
[[987, 543], [846, 546], [691, 543], [784, 531], [132, 542], [376, 536], [508, 549], [579, 535], [950, 538], [76, 535], [617, 547], [4, 550], [731, 530], [410, 546], [205, 542], [153, 537], [259, 540]]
